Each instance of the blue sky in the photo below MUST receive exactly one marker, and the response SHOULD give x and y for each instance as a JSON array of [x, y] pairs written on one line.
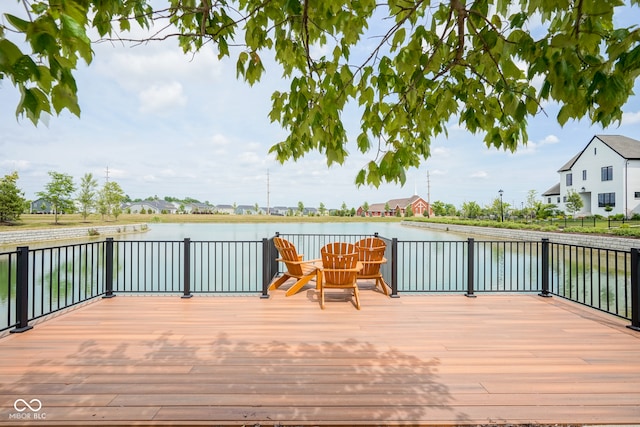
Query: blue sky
[[167, 124]]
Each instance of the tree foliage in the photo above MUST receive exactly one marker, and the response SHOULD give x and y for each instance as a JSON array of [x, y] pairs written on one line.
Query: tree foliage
[[110, 199], [574, 202], [58, 192], [412, 68], [471, 210], [87, 194], [11, 199]]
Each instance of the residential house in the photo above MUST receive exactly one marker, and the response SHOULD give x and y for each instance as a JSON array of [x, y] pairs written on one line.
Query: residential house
[[151, 207], [41, 206], [225, 209], [279, 210], [198, 208], [245, 210], [398, 207], [606, 175]]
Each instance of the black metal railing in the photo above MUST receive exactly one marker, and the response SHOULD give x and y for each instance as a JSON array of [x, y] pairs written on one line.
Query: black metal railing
[[38, 282]]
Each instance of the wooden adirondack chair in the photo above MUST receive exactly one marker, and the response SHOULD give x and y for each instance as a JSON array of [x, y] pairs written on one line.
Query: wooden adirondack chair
[[297, 268], [339, 269], [371, 255]]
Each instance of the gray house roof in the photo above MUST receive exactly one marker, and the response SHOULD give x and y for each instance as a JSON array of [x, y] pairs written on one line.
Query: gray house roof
[[553, 191], [627, 148]]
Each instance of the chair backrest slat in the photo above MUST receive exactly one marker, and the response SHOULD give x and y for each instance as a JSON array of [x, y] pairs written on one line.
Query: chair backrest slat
[[289, 255], [339, 256], [370, 252]]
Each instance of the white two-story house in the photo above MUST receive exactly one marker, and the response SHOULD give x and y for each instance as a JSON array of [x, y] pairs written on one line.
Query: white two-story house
[[605, 173]]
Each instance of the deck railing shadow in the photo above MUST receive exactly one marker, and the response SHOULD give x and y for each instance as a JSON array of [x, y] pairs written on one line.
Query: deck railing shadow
[[37, 282]]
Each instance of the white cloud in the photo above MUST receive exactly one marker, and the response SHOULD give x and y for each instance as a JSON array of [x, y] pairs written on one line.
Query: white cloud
[[550, 139], [161, 99], [479, 174], [440, 152], [630, 118]]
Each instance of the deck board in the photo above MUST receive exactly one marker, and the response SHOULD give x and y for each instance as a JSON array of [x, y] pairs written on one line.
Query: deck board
[[418, 359]]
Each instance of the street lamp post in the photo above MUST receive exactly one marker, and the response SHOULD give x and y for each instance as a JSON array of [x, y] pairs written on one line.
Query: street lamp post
[[501, 211]]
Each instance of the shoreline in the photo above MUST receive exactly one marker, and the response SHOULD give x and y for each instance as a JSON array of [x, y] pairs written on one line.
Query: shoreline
[[588, 240], [23, 237]]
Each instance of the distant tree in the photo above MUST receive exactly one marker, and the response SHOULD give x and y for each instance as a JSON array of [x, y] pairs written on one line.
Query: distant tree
[[300, 208], [409, 211], [471, 210], [387, 208], [499, 208], [365, 208], [256, 207], [574, 202], [58, 192], [343, 209], [87, 196], [438, 208], [322, 209], [543, 210], [11, 199], [111, 198]]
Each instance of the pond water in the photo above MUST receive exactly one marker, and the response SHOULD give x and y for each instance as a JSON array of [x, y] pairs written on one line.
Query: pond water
[[258, 231]]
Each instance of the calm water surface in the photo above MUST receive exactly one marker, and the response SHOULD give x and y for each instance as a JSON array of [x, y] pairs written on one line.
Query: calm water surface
[[258, 231]]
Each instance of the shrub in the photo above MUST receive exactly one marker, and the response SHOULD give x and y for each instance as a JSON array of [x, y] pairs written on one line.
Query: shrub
[[93, 232]]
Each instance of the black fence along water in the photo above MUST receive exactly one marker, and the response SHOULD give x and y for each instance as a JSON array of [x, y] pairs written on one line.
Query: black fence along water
[[38, 282]]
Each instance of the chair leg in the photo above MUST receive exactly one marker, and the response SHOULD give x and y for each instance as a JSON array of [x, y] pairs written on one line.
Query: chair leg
[[319, 286], [383, 285], [279, 281], [356, 296], [298, 285]]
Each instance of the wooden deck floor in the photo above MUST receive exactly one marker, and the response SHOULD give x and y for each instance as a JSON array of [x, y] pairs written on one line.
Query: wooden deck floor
[[419, 360]]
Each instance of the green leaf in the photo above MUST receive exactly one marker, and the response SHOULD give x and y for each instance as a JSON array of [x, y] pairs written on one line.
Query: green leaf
[[63, 97], [19, 24]]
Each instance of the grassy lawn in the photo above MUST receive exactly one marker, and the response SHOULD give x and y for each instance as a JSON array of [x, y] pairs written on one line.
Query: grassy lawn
[[34, 221]]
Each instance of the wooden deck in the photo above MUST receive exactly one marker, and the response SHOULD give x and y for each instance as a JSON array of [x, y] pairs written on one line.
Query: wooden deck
[[419, 360]]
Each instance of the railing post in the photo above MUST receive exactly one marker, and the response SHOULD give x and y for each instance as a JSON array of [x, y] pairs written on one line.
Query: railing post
[[635, 290], [394, 268], [22, 290], [266, 268], [544, 269], [470, 271], [187, 269], [108, 266]]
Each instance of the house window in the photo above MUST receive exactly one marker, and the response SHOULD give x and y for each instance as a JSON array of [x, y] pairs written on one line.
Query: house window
[[564, 199], [595, 150], [569, 180], [584, 175], [558, 199], [549, 199], [606, 173], [606, 199], [636, 195]]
